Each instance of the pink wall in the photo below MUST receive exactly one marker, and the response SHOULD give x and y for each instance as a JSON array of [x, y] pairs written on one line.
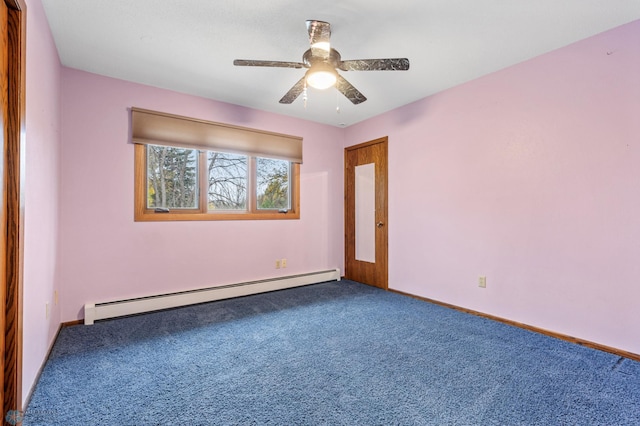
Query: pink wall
[[41, 189], [531, 177], [108, 256], [528, 176]]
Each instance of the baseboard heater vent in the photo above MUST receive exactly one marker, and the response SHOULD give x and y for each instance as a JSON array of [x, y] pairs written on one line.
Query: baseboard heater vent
[[98, 311]]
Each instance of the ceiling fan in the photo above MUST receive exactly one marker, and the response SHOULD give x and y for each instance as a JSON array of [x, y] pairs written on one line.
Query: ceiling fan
[[323, 61]]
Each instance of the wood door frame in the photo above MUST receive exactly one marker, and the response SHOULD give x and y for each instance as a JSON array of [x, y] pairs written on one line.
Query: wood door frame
[[384, 141], [12, 213]]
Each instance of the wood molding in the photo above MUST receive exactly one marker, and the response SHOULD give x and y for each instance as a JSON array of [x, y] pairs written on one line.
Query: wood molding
[[576, 340], [12, 83], [46, 358], [70, 324], [383, 139]]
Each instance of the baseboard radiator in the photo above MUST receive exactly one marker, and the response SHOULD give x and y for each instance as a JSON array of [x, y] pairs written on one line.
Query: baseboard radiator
[[98, 311]]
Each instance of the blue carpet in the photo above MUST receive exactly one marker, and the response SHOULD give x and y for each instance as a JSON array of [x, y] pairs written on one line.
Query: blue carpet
[[338, 353]]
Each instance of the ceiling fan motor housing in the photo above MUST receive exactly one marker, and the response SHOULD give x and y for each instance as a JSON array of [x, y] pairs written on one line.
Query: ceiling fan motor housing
[[334, 58]]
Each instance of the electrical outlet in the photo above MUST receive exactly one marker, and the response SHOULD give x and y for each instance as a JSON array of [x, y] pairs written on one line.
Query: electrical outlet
[[284, 263], [55, 297], [482, 282], [278, 264]]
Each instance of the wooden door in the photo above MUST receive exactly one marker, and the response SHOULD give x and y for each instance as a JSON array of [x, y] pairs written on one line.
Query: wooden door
[[366, 226]]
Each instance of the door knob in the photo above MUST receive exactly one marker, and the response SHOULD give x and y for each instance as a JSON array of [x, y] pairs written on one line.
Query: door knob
[[379, 224]]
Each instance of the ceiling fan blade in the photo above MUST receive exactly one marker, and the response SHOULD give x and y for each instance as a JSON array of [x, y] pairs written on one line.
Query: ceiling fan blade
[[392, 64], [278, 64], [349, 91], [294, 92], [319, 38]]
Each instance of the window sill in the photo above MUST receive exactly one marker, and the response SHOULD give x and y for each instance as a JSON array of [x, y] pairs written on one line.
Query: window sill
[[151, 216]]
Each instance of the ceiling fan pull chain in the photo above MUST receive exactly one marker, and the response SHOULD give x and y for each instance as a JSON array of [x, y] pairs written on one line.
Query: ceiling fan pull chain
[[337, 102], [304, 95]]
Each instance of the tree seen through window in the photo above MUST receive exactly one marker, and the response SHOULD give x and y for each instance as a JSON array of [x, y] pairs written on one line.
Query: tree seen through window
[[172, 177], [273, 183], [173, 180]]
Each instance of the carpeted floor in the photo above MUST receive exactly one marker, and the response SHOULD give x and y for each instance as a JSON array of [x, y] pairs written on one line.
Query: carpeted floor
[[338, 353]]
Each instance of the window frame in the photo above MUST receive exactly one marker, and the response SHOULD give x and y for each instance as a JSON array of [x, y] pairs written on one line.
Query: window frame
[[144, 214]]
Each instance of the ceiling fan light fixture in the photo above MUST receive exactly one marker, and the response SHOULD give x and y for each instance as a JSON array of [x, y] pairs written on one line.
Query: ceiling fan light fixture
[[321, 76]]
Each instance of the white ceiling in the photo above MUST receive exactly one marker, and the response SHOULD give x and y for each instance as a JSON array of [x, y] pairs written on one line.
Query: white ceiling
[[189, 45]]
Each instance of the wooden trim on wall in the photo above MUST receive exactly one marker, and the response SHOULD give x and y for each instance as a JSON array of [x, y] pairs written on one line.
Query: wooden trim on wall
[[70, 324], [13, 99], [46, 358], [576, 340]]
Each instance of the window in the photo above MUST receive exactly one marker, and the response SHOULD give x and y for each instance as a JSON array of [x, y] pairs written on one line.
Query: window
[[172, 178], [205, 181], [228, 181]]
